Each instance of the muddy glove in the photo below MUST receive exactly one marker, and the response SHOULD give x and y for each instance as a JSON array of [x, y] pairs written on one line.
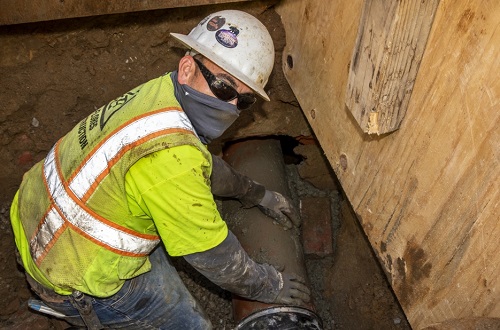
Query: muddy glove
[[231, 268], [227, 182], [294, 291], [280, 208]]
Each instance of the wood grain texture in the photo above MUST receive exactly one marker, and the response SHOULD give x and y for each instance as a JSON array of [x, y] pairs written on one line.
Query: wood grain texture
[[427, 195], [25, 11], [391, 40]]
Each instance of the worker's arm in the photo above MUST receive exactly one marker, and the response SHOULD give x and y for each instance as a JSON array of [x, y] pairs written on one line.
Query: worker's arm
[[170, 187], [169, 191], [230, 267], [227, 182]]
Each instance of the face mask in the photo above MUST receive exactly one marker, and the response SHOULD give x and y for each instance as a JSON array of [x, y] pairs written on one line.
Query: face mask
[[209, 115]]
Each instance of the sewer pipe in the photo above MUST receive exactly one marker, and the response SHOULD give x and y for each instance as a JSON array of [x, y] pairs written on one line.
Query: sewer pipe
[[263, 239]]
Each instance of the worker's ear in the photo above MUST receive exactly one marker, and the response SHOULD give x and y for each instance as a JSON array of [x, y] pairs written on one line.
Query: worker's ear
[[187, 70]]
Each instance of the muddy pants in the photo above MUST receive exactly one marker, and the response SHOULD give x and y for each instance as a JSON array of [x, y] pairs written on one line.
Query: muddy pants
[[155, 300]]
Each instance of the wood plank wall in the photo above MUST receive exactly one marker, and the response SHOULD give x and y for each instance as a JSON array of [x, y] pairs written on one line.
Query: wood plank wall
[[426, 195], [25, 11]]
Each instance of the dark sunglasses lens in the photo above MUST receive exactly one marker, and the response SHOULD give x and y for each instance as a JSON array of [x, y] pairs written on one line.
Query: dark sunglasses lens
[[223, 91], [245, 101]]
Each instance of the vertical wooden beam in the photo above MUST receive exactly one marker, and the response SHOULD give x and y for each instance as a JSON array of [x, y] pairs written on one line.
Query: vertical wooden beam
[[391, 41]]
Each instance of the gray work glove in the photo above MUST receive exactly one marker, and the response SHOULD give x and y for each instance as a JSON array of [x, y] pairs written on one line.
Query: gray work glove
[[294, 291], [231, 268], [227, 182], [280, 208]]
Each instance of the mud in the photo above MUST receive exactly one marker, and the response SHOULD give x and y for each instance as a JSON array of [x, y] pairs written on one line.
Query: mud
[[53, 74]]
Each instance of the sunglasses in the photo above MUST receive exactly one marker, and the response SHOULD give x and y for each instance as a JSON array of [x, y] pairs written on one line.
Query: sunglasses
[[223, 91]]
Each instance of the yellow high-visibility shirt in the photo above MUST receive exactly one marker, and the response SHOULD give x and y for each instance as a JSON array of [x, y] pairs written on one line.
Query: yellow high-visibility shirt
[[170, 187], [129, 175]]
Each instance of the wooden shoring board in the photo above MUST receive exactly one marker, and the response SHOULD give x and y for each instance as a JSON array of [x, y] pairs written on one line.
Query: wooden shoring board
[[26, 11], [390, 44], [426, 195]]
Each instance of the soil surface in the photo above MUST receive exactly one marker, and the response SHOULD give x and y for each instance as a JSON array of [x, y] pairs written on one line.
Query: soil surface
[[53, 74]]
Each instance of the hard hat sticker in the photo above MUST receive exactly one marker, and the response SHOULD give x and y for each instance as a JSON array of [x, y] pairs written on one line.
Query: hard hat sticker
[[228, 38], [203, 21], [216, 23]]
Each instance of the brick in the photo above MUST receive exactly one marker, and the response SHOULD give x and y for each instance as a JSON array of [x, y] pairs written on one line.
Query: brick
[[26, 158], [317, 236]]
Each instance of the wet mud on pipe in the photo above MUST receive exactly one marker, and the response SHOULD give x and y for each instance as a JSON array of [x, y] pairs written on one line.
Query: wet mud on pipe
[[263, 239]]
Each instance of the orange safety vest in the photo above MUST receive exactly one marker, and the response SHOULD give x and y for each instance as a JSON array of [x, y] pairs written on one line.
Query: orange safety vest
[[73, 204]]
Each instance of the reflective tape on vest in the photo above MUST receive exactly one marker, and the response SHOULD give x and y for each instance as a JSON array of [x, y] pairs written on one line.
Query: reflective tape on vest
[[68, 210], [135, 131], [52, 224]]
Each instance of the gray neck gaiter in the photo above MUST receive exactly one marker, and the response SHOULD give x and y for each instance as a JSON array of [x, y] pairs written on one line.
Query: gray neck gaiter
[[209, 115]]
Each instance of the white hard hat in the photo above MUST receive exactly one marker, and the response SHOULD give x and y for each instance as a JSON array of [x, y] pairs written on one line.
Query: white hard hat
[[237, 42]]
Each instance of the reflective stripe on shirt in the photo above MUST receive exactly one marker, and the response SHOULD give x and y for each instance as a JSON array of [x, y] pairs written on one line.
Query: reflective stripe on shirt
[[69, 210]]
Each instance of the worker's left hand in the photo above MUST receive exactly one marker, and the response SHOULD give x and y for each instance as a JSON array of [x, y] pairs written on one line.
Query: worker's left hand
[[280, 208], [294, 291]]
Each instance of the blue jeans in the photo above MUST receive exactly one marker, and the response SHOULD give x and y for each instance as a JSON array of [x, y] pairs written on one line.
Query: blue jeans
[[157, 299]]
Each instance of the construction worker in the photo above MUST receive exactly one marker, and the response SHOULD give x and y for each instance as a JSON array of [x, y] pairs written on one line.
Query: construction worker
[[89, 218]]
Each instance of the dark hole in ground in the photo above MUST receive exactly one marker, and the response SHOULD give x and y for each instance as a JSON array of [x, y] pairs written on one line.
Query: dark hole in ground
[[288, 143]]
